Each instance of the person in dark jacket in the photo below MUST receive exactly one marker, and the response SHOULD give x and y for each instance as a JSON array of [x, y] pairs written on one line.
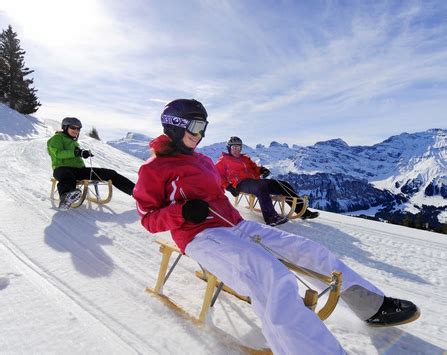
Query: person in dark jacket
[[241, 174], [68, 165], [179, 190]]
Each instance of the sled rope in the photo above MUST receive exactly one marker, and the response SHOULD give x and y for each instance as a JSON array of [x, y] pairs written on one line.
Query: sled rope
[[96, 193], [92, 171], [257, 239], [285, 188]]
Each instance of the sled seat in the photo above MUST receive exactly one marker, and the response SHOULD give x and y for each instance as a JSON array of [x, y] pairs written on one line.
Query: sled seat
[[84, 186], [286, 204], [212, 282]]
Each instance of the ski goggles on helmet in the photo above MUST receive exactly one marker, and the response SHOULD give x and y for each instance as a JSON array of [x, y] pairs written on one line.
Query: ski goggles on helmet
[[192, 126]]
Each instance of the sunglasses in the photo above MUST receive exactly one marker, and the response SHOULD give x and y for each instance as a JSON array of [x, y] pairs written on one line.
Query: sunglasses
[[192, 126], [75, 128], [236, 146]]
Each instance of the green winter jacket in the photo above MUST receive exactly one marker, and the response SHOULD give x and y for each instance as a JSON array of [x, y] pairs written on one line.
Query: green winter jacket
[[61, 149]]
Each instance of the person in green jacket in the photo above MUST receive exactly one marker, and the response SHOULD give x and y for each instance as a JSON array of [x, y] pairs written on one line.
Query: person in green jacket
[[68, 165]]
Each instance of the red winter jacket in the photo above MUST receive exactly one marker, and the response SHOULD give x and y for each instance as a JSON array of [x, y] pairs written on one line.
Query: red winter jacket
[[165, 183], [233, 170]]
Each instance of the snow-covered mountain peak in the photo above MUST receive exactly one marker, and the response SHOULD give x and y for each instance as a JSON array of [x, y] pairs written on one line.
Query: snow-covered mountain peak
[[275, 144], [137, 137], [337, 142]]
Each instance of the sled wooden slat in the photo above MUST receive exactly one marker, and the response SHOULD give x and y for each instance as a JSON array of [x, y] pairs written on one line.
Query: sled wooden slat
[[85, 185], [166, 249], [310, 300], [286, 204]]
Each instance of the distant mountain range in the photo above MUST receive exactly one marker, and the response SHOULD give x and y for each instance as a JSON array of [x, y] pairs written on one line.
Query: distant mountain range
[[405, 175], [402, 179]]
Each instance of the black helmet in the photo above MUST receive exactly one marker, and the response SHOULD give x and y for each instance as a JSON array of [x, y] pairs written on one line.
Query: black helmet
[[233, 141], [70, 121], [181, 115], [185, 108]]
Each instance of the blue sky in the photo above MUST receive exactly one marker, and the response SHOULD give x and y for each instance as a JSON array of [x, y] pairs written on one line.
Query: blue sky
[[291, 71]]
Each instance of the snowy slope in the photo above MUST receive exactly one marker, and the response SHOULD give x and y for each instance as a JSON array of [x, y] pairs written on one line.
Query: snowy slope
[[135, 144], [15, 126], [73, 282]]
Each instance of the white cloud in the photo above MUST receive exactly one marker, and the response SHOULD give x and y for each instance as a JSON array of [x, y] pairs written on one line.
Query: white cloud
[[292, 70]]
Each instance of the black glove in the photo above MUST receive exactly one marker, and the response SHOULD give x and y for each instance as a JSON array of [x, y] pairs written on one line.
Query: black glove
[[233, 190], [195, 211], [83, 153], [264, 172]]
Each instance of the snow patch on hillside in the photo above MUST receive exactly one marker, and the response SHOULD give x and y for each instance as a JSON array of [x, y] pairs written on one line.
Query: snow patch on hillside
[[15, 126]]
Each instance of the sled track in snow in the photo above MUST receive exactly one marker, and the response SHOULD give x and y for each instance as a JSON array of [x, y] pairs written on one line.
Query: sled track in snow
[[81, 214], [62, 289], [58, 285]]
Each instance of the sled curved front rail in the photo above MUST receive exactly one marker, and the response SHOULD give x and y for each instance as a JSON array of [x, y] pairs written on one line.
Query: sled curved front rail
[[334, 282], [85, 185], [288, 211]]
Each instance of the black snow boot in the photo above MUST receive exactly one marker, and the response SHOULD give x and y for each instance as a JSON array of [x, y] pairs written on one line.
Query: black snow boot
[[309, 214], [68, 198], [276, 220], [394, 312]]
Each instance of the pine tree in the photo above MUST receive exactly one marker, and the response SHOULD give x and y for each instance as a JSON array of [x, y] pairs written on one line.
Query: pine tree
[[418, 221], [94, 134], [408, 221], [4, 68], [17, 91]]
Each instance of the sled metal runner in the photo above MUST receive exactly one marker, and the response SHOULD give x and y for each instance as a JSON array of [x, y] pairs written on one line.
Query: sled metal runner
[[286, 204], [86, 193], [310, 299]]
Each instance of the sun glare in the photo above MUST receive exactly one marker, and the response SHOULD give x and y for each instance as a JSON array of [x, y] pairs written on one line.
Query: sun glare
[[52, 22]]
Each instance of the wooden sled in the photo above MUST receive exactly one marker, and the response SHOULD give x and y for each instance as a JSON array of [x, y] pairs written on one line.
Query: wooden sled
[[84, 186], [310, 299], [287, 204]]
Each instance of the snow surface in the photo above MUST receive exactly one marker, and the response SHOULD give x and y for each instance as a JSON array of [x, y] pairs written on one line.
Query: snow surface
[[73, 282]]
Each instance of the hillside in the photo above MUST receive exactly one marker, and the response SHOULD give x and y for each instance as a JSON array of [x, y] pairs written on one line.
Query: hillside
[[73, 282]]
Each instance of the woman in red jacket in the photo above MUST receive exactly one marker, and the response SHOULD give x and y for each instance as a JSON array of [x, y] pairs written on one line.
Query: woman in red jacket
[[180, 190], [241, 174]]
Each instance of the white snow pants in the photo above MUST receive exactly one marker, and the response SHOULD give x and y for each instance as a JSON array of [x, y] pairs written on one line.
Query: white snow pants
[[289, 326]]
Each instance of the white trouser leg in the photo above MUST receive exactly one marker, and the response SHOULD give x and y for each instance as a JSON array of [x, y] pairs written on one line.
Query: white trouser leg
[[289, 327], [360, 295]]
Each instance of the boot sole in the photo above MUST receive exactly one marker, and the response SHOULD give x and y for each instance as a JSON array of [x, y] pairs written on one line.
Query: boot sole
[[278, 223], [415, 316]]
